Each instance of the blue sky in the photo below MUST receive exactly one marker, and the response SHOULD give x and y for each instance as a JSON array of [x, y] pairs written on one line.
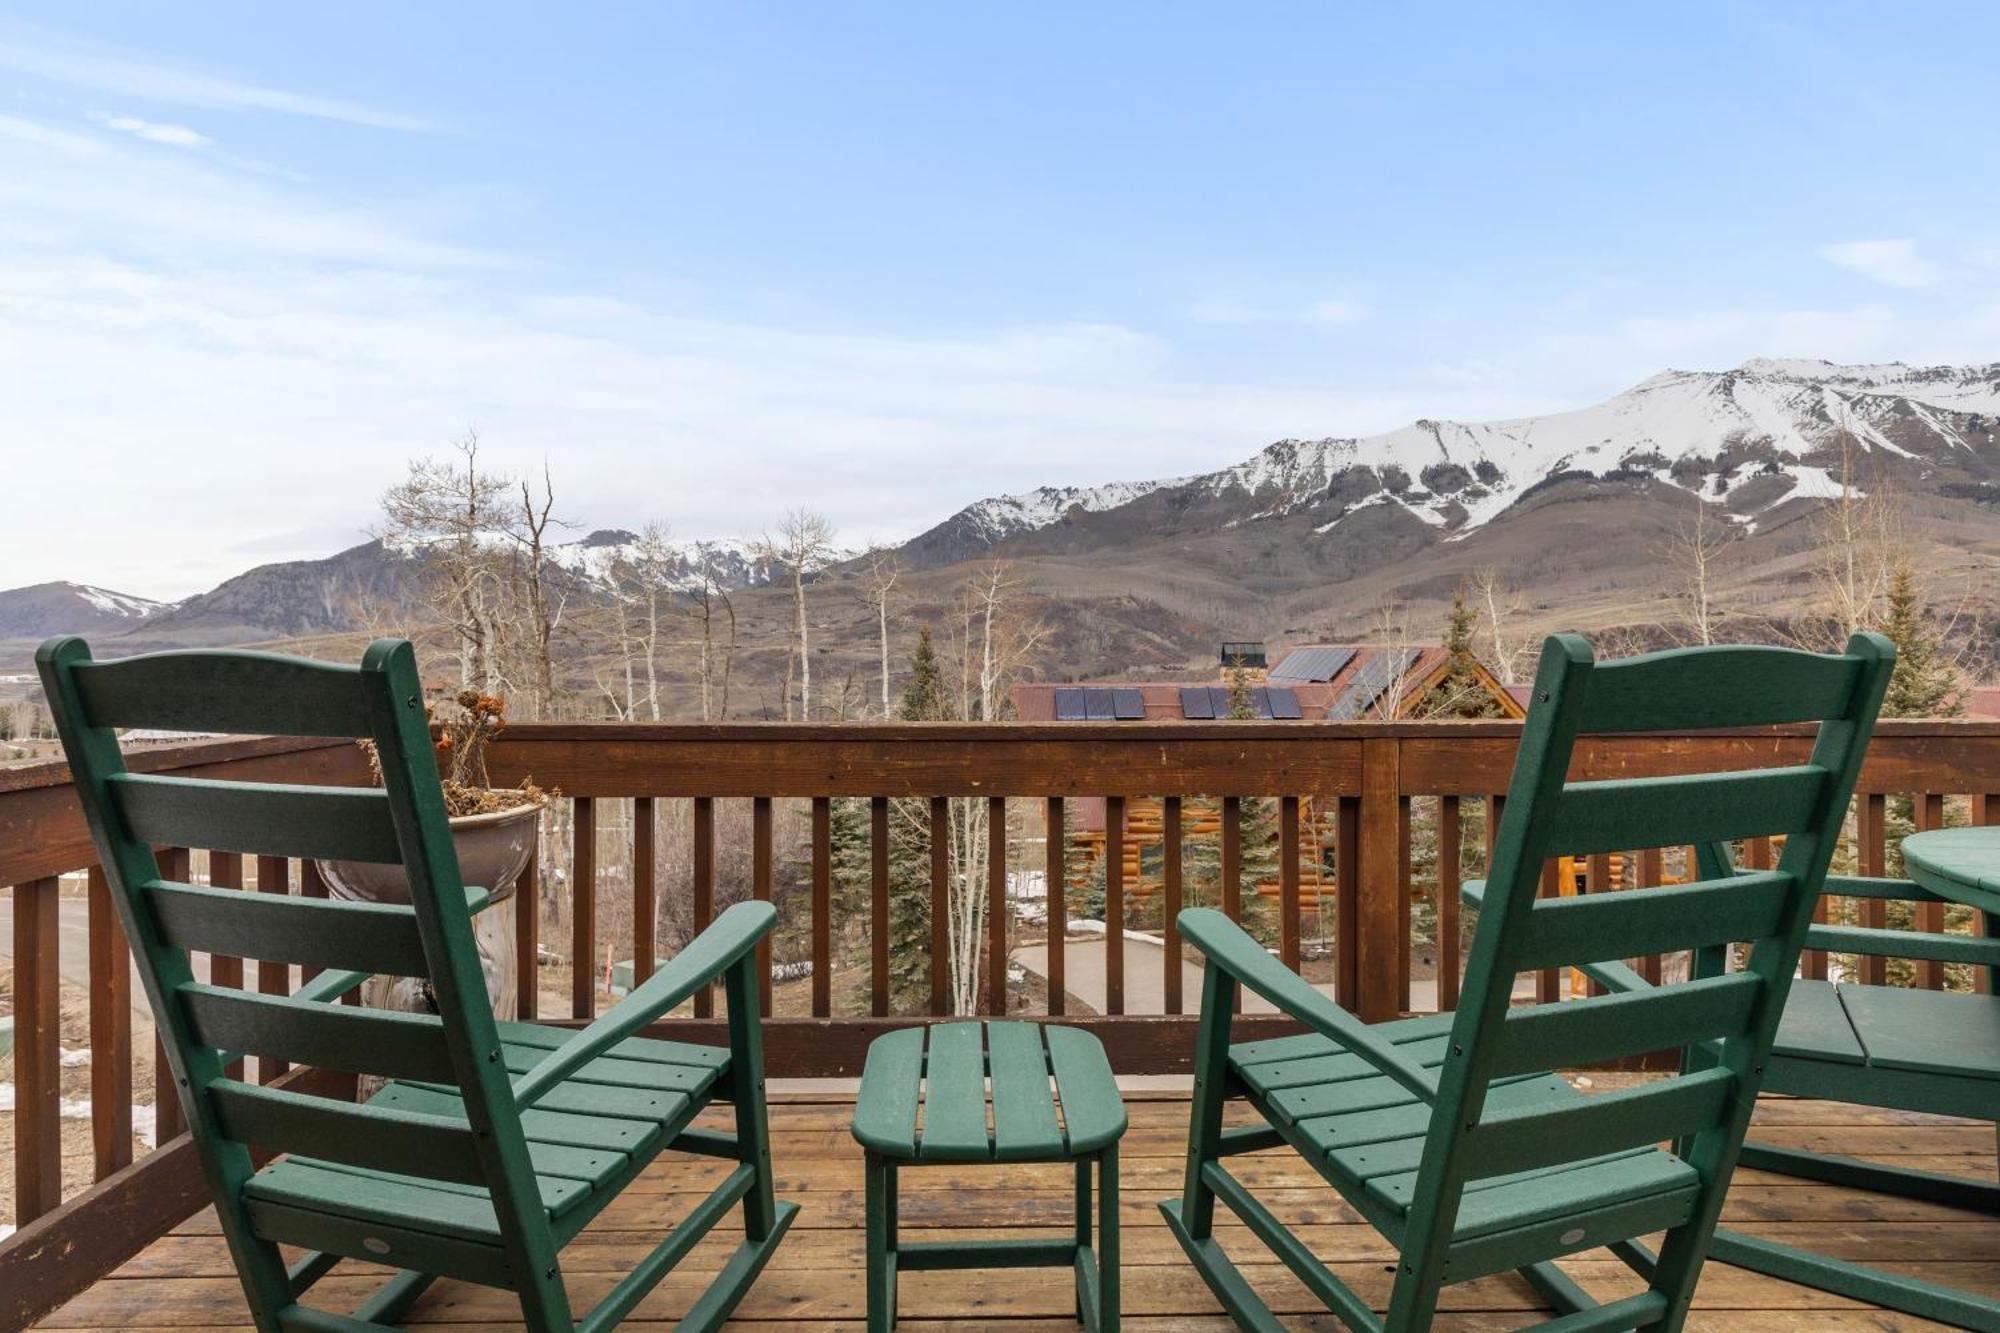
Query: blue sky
[[715, 260]]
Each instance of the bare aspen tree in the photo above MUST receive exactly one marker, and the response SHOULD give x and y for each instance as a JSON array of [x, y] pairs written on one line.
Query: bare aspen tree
[[994, 645], [446, 513], [1694, 551], [709, 598], [1497, 605], [804, 542], [541, 603], [1859, 538], [878, 581], [647, 580]]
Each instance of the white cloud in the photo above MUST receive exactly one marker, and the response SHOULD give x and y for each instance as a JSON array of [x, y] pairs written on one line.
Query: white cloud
[[1895, 263], [128, 75], [177, 136], [22, 130], [1325, 313]]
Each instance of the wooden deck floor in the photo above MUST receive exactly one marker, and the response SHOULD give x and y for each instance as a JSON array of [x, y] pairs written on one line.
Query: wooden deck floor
[[815, 1282]]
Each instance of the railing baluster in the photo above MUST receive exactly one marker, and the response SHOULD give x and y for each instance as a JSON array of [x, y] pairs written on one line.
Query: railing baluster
[[225, 871], [940, 905], [110, 1031], [1930, 916], [878, 906], [1596, 879], [1450, 843], [760, 889], [37, 1051], [527, 937], [312, 884], [1376, 939], [1288, 881], [1548, 981], [1405, 889], [1874, 857], [645, 889], [169, 1119], [703, 888], [1986, 980], [274, 875], [996, 904], [1114, 904], [822, 907], [583, 910], [1232, 858], [1170, 838], [1649, 871], [1055, 876], [1347, 901]]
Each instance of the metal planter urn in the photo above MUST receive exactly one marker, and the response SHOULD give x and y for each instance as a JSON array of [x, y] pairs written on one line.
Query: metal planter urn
[[493, 849]]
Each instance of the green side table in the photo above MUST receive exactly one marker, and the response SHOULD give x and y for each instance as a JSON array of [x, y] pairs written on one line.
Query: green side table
[[924, 1101]]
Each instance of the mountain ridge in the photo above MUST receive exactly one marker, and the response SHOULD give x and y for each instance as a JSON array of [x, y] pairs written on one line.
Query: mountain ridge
[[1755, 440]]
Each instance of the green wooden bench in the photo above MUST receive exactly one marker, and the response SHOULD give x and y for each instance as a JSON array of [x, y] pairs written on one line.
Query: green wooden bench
[[1894, 1047], [924, 1102], [494, 1143], [1454, 1135]]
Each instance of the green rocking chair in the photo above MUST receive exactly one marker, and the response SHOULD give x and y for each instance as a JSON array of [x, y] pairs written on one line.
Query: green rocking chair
[[495, 1142], [1453, 1134]]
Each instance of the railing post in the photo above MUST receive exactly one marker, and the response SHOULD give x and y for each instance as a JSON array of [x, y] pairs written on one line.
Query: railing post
[[878, 905], [822, 907], [583, 910], [703, 888], [1170, 834], [110, 1032], [1055, 876], [527, 937], [37, 1071], [760, 889], [1288, 881], [940, 905], [1347, 901], [1380, 877], [1930, 916], [645, 889], [1114, 904], [1450, 841]]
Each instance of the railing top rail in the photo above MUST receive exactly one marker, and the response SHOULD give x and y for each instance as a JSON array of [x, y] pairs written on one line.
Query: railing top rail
[[1261, 730]]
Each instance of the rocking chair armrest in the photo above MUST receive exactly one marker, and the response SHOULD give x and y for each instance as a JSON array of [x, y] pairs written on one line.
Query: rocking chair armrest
[[1227, 946], [726, 943]]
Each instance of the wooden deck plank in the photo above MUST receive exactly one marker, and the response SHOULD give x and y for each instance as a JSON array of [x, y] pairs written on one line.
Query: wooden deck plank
[[814, 1283]]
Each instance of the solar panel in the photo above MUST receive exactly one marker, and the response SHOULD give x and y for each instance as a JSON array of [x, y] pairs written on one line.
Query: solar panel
[[1127, 704], [1260, 698], [1069, 706], [1195, 703], [1376, 676], [1097, 705], [1218, 700], [1284, 703], [1315, 665]]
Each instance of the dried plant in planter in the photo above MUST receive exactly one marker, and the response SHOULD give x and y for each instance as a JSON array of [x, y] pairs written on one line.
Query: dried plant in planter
[[464, 726]]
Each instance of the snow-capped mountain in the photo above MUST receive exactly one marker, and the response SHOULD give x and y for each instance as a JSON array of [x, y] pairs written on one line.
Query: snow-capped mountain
[[1750, 439], [611, 554], [1298, 514], [57, 608]]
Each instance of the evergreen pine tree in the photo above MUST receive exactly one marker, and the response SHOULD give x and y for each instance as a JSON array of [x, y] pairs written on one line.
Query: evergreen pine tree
[[1925, 683], [1461, 692]]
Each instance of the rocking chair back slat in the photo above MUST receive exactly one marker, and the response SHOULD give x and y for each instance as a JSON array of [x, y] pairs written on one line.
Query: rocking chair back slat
[[261, 818], [313, 932], [233, 692]]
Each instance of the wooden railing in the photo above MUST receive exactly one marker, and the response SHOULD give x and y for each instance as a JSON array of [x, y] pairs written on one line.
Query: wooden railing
[[1363, 786]]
